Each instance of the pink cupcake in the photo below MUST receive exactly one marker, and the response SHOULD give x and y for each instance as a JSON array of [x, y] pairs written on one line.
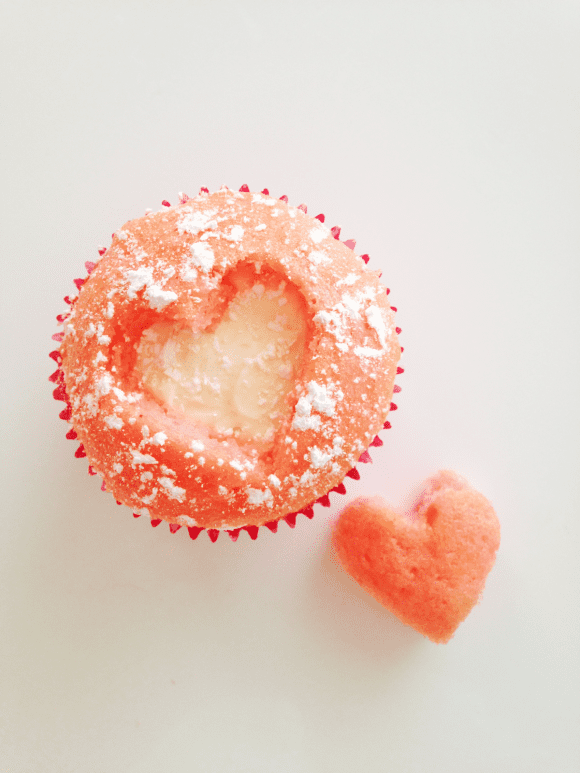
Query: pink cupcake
[[226, 363]]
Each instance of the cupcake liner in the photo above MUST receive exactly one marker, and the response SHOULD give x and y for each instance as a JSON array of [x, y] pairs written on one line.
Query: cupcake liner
[[60, 394]]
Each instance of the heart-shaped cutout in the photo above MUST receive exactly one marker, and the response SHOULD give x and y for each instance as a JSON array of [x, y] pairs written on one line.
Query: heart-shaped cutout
[[235, 377], [428, 567]]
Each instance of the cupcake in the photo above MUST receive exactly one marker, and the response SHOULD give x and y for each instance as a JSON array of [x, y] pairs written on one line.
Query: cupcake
[[227, 362]]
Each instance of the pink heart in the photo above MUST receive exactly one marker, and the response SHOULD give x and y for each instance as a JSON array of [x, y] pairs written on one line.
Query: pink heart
[[428, 567]]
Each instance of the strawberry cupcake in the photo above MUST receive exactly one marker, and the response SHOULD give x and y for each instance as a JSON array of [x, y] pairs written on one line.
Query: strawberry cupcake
[[227, 362]]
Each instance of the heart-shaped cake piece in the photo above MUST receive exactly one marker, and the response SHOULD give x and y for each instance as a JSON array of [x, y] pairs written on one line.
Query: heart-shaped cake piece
[[428, 566]]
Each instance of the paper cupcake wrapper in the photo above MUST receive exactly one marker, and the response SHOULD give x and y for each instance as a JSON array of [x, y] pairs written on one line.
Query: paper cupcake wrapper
[[59, 393]]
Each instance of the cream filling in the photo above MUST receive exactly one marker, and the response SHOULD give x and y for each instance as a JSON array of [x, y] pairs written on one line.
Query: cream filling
[[235, 377]]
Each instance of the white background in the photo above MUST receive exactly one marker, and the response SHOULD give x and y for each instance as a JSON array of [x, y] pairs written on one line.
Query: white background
[[443, 136]]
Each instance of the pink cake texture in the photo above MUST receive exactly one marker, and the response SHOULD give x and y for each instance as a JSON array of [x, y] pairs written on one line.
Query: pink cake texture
[[429, 566]]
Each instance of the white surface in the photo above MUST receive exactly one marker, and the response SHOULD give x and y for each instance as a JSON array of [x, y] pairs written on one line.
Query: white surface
[[444, 137]]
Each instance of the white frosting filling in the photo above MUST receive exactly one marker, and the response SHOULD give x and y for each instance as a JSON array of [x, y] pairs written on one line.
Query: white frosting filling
[[236, 376]]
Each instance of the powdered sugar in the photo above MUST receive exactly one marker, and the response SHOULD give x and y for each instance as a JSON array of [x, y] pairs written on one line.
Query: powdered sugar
[[322, 457], [159, 298], [367, 352], [139, 458], [258, 496], [186, 520], [236, 233], [194, 221], [320, 398], [138, 279], [319, 458], [173, 491], [115, 422], [303, 418], [104, 384], [141, 278], [348, 280], [317, 257], [376, 321], [202, 258], [319, 233]]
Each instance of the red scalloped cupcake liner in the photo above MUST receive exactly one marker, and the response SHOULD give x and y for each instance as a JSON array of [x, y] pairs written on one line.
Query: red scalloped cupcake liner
[[60, 394]]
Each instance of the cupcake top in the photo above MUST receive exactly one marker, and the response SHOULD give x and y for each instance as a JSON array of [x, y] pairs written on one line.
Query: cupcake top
[[228, 361]]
